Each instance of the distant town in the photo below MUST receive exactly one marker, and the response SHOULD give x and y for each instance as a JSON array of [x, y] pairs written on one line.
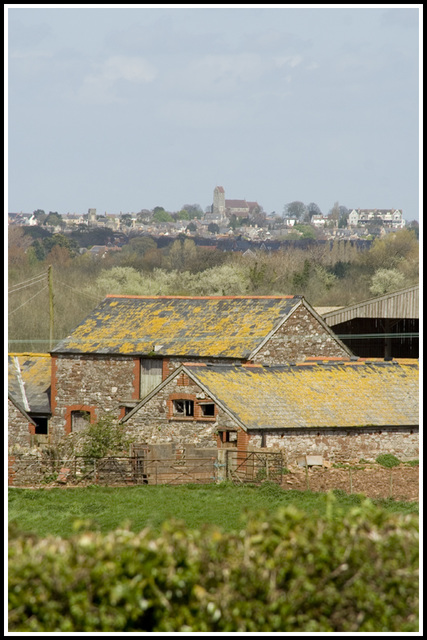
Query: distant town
[[226, 220]]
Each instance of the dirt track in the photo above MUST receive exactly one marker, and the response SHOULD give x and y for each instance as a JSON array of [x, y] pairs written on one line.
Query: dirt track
[[400, 483]]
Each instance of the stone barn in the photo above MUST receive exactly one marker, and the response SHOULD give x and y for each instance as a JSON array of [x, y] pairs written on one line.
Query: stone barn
[[129, 344], [336, 409]]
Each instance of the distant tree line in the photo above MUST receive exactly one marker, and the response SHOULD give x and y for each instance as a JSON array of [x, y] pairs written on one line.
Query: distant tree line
[[333, 273]]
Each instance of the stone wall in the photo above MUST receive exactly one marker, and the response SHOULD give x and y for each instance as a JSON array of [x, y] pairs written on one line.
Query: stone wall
[[301, 336], [26, 470], [154, 423], [337, 444], [93, 383], [19, 427]]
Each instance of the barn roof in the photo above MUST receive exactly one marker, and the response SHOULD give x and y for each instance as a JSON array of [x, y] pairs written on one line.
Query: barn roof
[[317, 394], [29, 379], [398, 304], [217, 326]]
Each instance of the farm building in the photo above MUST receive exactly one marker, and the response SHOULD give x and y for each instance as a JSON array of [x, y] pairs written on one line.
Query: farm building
[[29, 379], [383, 327], [334, 408], [130, 344]]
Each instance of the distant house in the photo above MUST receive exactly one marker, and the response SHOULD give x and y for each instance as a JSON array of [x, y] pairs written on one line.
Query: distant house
[[387, 217], [129, 344], [333, 408]]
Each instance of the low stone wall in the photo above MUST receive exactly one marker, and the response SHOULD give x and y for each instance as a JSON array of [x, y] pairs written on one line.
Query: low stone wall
[[336, 444], [26, 470]]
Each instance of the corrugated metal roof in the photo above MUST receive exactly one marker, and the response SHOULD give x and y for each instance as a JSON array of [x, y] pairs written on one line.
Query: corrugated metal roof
[[399, 304], [332, 394], [29, 379], [221, 326]]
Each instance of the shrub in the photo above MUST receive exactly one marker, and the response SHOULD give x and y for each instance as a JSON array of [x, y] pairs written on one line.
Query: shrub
[[286, 571], [102, 438], [387, 460]]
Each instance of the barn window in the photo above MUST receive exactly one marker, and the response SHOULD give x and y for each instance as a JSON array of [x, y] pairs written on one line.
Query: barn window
[[208, 409], [41, 425], [184, 408], [79, 420]]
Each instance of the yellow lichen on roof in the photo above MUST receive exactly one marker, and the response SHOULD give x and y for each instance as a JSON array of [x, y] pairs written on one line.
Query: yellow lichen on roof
[[316, 396], [231, 327]]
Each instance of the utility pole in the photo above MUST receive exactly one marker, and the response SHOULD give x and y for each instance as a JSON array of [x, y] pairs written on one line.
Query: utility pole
[[49, 277]]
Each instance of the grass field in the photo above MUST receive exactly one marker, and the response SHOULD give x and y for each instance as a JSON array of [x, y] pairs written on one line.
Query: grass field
[[57, 511]]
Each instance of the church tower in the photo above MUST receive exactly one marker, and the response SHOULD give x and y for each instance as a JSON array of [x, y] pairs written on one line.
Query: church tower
[[218, 206]]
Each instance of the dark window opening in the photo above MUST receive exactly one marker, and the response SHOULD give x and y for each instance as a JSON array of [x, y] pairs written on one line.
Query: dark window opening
[[42, 427], [183, 408], [264, 440], [208, 410]]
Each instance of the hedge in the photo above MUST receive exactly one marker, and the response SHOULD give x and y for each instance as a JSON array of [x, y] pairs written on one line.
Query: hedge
[[283, 572]]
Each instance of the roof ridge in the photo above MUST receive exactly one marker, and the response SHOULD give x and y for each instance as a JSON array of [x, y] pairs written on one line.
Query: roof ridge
[[277, 297]]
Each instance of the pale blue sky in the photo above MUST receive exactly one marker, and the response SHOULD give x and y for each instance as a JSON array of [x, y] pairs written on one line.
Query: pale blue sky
[[125, 107]]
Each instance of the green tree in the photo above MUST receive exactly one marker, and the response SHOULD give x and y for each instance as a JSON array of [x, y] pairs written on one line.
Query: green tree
[[160, 215], [386, 280], [194, 210], [296, 209], [104, 437], [306, 230], [54, 219], [213, 228], [301, 278], [40, 215]]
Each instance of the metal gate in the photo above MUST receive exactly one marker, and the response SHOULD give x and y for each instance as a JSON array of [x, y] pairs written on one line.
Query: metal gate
[[254, 466]]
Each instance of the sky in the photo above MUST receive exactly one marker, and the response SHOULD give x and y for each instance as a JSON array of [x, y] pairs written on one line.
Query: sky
[[129, 107]]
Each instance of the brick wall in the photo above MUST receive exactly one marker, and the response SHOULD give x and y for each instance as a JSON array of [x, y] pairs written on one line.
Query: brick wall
[[302, 336], [343, 444]]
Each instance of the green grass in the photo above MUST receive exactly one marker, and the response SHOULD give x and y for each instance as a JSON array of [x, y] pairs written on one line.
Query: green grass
[[58, 511]]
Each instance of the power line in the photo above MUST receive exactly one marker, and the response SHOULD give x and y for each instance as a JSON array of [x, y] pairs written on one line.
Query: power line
[[77, 291], [24, 286], [29, 279], [29, 300], [370, 336]]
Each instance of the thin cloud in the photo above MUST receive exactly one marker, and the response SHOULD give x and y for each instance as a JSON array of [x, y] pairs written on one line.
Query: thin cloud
[[100, 85]]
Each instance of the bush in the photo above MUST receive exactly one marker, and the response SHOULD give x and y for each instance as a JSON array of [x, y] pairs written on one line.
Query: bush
[[285, 571], [104, 437], [387, 460]]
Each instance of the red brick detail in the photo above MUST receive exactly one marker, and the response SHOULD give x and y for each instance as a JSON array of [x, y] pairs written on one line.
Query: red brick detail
[[53, 384], [77, 407], [180, 396], [32, 429], [166, 370], [243, 439], [183, 380], [11, 470], [136, 378], [198, 414]]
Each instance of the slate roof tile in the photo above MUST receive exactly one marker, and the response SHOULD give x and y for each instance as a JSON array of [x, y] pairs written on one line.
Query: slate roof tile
[[340, 394], [29, 377], [221, 326]]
